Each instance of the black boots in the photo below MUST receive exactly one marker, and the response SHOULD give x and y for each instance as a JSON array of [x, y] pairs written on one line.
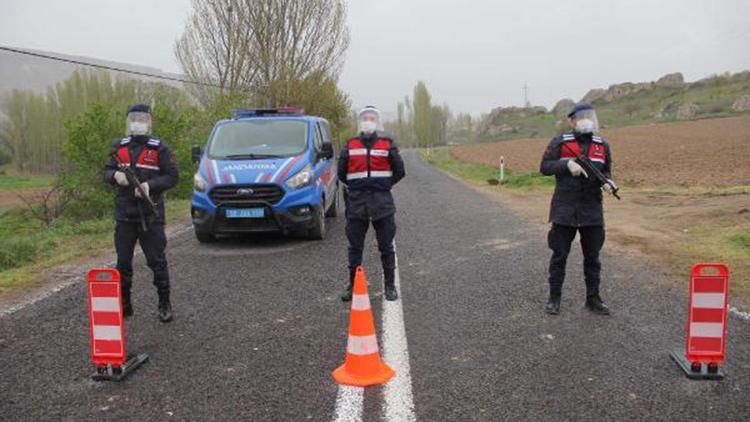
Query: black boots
[[553, 305], [127, 307], [390, 292], [347, 295], [165, 307], [390, 284], [595, 305]]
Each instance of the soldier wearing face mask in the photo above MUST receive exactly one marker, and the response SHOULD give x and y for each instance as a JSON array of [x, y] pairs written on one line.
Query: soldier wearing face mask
[[577, 204], [369, 165], [154, 166]]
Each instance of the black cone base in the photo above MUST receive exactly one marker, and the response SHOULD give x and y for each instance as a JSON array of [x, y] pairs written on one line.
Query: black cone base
[[110, 373], [701, 372]]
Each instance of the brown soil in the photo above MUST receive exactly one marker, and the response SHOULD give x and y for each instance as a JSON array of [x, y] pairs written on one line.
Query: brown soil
[[707, 153], [10, 199], [672, 232]]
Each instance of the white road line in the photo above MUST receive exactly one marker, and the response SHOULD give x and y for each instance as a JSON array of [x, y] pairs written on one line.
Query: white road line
[[739, 314], [399, 402], [349, 403]]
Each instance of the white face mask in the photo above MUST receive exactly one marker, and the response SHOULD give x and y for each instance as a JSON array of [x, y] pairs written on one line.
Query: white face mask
[[585, 126], [367, 127], [138, 128]]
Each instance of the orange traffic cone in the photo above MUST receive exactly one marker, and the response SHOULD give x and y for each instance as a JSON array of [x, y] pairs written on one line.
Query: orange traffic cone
[[362, 366]]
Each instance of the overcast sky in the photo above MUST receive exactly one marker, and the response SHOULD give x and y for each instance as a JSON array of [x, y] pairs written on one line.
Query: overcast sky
[[473, 54]]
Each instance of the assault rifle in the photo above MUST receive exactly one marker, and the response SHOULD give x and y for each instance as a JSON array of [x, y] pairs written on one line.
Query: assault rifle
[[133, 181], [590, 168]]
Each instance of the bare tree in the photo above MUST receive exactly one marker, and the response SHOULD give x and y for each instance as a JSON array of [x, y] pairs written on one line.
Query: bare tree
[[215, 47], [263, 47], [46, 206], [293, 39]]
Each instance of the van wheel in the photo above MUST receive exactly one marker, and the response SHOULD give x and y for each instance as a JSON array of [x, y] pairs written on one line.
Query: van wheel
[[204, 237], [318, 230], [333, 210]]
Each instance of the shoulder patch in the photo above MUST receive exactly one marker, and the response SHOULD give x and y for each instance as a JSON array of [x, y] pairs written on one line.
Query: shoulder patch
[[568, 137], [125, 141], [597, 139], [154, 142]]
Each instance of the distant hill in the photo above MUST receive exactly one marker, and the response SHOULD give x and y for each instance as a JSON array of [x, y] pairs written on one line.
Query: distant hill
[[667, 99], [23, 72]]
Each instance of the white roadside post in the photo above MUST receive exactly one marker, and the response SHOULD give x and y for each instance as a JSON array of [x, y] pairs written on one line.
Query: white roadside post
[[502, 169]]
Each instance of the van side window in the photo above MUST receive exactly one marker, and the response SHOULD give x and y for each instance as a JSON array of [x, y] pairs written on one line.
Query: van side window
[[326, 128], [318, 139]]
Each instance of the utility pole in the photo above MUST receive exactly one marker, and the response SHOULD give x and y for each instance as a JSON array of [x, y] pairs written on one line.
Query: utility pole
[[526, 102]]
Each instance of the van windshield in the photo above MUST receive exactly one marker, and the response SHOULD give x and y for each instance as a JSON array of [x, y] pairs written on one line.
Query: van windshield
[[250, 139]]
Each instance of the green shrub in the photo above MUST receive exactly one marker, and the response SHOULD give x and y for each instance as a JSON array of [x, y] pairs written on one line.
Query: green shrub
[[15, 252], [88, 143]]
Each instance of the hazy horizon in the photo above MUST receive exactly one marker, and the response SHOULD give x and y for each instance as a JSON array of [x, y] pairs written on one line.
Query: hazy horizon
[[472, 56]]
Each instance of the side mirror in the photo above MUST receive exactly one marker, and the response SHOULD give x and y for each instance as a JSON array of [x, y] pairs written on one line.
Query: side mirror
[[327, 151], [195, 154]]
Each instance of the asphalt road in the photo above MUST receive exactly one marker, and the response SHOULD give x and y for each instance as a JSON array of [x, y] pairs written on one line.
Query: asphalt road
[[259, 327]]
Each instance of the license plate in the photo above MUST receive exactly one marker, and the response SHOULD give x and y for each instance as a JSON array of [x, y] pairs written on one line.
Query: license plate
[[246, 213]]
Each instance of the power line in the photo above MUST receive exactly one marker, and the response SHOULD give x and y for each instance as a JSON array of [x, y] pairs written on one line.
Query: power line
[[101, 66]]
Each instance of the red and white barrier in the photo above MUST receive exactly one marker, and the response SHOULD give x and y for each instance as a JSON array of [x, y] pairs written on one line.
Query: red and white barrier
[[105, 317], [707, 322], [108, 350]]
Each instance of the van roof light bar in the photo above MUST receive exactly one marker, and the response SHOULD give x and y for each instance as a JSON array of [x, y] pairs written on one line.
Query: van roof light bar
[[257, 112]]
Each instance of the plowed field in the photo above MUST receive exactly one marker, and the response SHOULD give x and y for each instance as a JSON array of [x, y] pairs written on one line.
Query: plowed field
[[708, 153]]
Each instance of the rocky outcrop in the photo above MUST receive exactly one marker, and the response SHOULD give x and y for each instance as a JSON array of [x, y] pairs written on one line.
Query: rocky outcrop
[[628, 88], [563, 107], [742, 103], [687, 111], [665, 110], [496, 124], [593, 95], [671, 80]]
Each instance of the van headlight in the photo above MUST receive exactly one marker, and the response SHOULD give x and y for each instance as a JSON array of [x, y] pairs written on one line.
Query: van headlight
[[199, 183], [301, 179]]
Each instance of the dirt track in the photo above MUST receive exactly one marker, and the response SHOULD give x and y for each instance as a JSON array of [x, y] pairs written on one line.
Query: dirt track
[[710, 153]]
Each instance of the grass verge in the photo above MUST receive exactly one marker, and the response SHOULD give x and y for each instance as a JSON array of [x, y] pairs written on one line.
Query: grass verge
[[481, 173], [729, 245], [27, 248], [14, 183]]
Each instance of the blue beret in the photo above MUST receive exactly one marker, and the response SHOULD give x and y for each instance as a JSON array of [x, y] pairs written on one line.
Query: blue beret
[[579, 107], [139, 108]]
